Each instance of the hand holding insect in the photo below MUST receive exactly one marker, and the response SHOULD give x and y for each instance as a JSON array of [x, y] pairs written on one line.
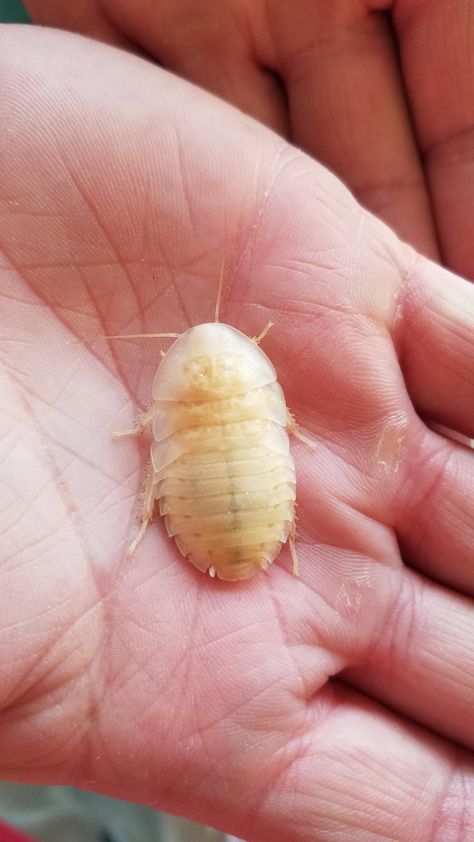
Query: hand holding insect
[[278, 708]]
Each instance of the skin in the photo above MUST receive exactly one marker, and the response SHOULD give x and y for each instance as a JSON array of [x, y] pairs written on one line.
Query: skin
[[337, 706], [380, 91]]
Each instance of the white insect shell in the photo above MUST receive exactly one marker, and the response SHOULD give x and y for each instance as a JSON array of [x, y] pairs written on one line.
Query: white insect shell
[[221, 465]]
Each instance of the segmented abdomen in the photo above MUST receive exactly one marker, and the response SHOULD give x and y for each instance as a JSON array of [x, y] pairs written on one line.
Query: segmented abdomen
[[227, 490]]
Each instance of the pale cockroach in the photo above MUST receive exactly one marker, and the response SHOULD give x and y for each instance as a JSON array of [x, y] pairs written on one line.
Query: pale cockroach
[[221, 467]]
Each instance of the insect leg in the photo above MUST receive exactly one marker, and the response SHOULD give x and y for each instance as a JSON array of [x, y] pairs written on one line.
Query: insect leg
[[292, 542], [295, 430], [147, 511], [262, 335], [142, 422]]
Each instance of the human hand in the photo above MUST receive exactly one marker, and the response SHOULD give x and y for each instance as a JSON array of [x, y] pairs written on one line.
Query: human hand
[[334, 706], [380, 92]]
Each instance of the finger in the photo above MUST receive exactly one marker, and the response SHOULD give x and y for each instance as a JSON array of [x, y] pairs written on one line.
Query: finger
[[350, 771], [416, 483], [357, 773], [421, 664], [240, 81], [434, 331], [85, 17], [436, 43], [347, 109], [434, 517], [212, 51]]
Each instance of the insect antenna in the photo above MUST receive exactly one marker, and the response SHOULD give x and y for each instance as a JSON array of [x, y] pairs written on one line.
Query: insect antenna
[[221, 276], [219, 291], [144, 336]]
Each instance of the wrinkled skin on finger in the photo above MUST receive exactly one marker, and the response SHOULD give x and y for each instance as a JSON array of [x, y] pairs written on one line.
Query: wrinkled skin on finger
[[335, 706]]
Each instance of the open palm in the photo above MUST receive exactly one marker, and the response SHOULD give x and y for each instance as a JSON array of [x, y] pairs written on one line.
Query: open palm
[[279, 709]]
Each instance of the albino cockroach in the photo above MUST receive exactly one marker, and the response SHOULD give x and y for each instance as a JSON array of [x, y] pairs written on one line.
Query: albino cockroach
[[221, 466]]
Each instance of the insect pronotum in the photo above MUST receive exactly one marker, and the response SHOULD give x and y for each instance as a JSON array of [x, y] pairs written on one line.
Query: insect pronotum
[[221, 468]]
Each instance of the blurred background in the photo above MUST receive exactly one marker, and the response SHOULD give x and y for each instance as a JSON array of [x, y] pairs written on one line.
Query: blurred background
[[63, 814], [12, 11]]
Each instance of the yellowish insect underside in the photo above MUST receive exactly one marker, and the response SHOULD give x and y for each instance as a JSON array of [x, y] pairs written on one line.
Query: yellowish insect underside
[[222, 468]]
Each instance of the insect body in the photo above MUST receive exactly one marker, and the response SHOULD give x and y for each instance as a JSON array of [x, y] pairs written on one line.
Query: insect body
[[221, 467]]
